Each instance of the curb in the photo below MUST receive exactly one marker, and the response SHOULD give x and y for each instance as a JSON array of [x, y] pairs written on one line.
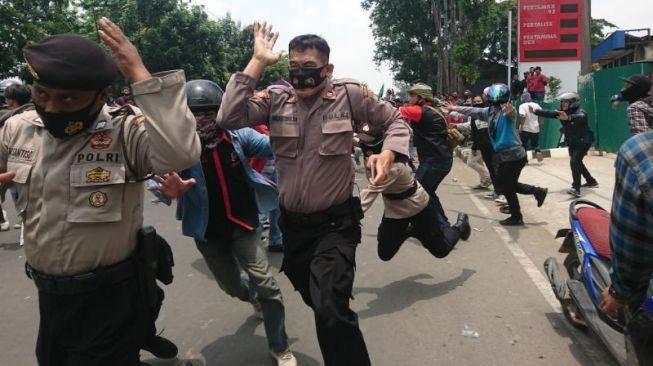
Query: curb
[[560, 152]]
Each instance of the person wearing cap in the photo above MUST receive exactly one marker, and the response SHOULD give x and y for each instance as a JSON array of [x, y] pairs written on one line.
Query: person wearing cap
[[78, 167], [433, 149], [408, 210], [218, 201], [311, 132], [640, 109]]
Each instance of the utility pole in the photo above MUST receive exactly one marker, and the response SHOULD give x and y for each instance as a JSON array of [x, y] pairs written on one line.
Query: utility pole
[[509, 61], [585, 38]]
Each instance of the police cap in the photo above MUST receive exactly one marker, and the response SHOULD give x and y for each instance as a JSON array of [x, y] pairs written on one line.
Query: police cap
[[70, 61]]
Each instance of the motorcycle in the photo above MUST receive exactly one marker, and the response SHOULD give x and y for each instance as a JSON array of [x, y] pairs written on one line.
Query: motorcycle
[[587, 274]]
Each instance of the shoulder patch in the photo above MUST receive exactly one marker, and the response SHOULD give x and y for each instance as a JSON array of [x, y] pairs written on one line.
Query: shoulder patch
[[367, 93], [139, 120], [263, 94], [346, 81]]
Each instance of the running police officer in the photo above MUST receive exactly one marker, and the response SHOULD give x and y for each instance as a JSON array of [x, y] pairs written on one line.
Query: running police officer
[[76, 164], [311, 128]]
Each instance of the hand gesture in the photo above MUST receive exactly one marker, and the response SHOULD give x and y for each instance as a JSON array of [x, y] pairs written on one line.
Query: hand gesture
[[508, 108], [264, 40], [562, 115], [380, 165], [609, 305], [171, 185], [126, 55], [449, 106]]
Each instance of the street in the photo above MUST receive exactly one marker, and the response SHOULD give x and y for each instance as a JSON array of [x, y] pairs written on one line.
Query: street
[[487, 303]]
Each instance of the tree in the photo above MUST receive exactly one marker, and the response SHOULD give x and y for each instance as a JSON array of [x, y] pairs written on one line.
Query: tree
[[597, 27]]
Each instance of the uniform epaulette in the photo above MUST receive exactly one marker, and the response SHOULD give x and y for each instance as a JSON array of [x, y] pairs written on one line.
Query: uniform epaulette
[[346, 81], [125, 110], [263, 94]]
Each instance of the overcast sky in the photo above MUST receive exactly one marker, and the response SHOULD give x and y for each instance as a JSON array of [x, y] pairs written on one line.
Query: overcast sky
[[345, 25]]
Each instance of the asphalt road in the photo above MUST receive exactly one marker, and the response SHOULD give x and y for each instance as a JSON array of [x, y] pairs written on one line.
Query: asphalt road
[[414, 310]]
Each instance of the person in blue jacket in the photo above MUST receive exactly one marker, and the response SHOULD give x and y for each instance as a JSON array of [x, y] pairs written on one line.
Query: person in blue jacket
[[218, 201], [508, 149]]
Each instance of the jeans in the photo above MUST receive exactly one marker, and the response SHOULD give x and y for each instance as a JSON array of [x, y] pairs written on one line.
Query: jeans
[[430, 174], [241, 269], [533, 137], [537, 96], [438, 241], [578, 168], [488, 158], [275, 238], [508, 175]]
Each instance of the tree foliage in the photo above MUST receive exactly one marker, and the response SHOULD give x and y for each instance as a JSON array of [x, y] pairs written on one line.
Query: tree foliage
[[170, 34], [597, 27]]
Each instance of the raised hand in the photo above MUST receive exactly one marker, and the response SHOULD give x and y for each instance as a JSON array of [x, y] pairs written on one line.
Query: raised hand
[[171, 185], [264, 41], [126, 55], [508, 108]]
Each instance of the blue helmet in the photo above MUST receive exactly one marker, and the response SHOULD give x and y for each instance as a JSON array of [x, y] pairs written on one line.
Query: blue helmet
[[498, 94]]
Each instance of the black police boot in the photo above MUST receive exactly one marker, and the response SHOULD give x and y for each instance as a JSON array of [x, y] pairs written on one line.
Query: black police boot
[[462, 224], [540, 195], [161, 347], [512, 221]]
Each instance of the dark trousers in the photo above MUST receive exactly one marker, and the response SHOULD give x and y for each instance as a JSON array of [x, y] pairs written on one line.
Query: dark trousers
[[488, 158], [639, 336], [532, 138], [578, 168], [438, 241], [430, 174], [319, 261], [508, 174], [96, 328]]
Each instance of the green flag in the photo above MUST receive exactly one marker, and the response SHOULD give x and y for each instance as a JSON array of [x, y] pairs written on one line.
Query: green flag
[[380, 95]]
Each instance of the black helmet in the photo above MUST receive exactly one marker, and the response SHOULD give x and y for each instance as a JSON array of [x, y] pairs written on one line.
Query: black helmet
[[203, 94], [4, 84], [498, 93], [572, 98]]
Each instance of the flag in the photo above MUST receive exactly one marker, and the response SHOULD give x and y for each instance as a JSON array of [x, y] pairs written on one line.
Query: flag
[[380, 95]]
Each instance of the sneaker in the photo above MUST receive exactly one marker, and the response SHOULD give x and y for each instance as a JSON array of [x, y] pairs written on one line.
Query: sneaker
[[275, 248], [539, 156], [540, 195], [18, 226], [155, 200], [512, 221], [501, 199], [258, 311], [574, 192], [285, 358], [161, 347], [491, 196], [592, 184], [462, 224], [481, 187], [4, 226], [504, 210]]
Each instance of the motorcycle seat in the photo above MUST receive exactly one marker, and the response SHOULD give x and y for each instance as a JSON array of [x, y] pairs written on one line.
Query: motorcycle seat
[[596, 224]]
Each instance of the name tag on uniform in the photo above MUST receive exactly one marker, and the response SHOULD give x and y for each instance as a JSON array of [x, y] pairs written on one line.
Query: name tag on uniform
[[336, 116], [21, 154], [284, 119]]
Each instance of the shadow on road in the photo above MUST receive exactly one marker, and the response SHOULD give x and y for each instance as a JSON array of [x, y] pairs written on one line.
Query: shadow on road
[[401, 294]]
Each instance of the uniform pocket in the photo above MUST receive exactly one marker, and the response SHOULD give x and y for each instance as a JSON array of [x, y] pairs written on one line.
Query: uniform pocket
[[284, 138], [96, 193], [337, 138], [22, 170]]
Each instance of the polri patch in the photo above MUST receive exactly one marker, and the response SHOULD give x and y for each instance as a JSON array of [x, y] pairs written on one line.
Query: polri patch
[[98, 175], [101, 141], [98, 199]]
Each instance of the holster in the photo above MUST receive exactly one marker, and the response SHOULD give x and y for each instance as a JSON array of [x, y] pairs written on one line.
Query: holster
[[155, 261]]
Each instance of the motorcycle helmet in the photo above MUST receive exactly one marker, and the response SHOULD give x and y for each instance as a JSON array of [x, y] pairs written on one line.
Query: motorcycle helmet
[[203, 94], [572, 98], [498, 94]]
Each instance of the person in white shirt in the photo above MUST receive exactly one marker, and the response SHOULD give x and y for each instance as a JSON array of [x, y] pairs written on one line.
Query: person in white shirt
[[529, 129]]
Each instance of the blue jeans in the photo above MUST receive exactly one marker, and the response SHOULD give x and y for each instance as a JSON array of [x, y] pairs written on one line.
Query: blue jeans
[[430, 174], [275, 238], [241, 269]]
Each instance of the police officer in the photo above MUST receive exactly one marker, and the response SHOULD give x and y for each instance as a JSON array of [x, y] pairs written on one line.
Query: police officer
[[311, 130], [77, 165]]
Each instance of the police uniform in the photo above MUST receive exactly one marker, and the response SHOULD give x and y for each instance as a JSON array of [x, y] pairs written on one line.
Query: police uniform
[[82, 203], [312, 142]]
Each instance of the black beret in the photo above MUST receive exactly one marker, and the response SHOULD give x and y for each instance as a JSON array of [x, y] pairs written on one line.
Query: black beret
[[70, 61]]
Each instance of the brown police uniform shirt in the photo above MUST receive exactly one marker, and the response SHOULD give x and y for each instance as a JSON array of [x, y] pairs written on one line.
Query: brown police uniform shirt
[[312, 143], [77, 197]]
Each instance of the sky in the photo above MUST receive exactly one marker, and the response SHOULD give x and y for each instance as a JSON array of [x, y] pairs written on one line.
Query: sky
[[346, 27]]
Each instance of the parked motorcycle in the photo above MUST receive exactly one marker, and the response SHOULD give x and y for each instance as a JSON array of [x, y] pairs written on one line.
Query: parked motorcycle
[[587, 274]]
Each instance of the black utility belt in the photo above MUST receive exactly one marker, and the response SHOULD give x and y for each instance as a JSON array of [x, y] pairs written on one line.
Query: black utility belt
[[71, 285], [401, 195], [350, 209]]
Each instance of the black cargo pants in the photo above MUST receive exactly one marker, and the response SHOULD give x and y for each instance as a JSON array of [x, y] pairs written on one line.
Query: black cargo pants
[[319, 260]]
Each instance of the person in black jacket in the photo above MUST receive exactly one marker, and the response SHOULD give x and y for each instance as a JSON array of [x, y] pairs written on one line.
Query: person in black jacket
[[578, 135]]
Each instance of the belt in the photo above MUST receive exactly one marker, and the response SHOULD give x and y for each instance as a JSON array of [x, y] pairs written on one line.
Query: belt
[[71, 285], [336, 212], [401, 195]]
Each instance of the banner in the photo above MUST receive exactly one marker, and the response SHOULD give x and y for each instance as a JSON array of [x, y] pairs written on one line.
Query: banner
[[549, 30]]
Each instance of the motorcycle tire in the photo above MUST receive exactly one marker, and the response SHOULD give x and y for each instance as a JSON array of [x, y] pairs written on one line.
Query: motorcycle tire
[[572, 265]]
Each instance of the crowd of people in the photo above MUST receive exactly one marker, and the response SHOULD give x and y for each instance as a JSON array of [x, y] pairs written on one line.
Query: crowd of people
[[237, 157]]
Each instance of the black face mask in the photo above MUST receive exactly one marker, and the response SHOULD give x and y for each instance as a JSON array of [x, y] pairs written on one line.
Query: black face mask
[[66, 124], [633, 94], [306, 77]]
